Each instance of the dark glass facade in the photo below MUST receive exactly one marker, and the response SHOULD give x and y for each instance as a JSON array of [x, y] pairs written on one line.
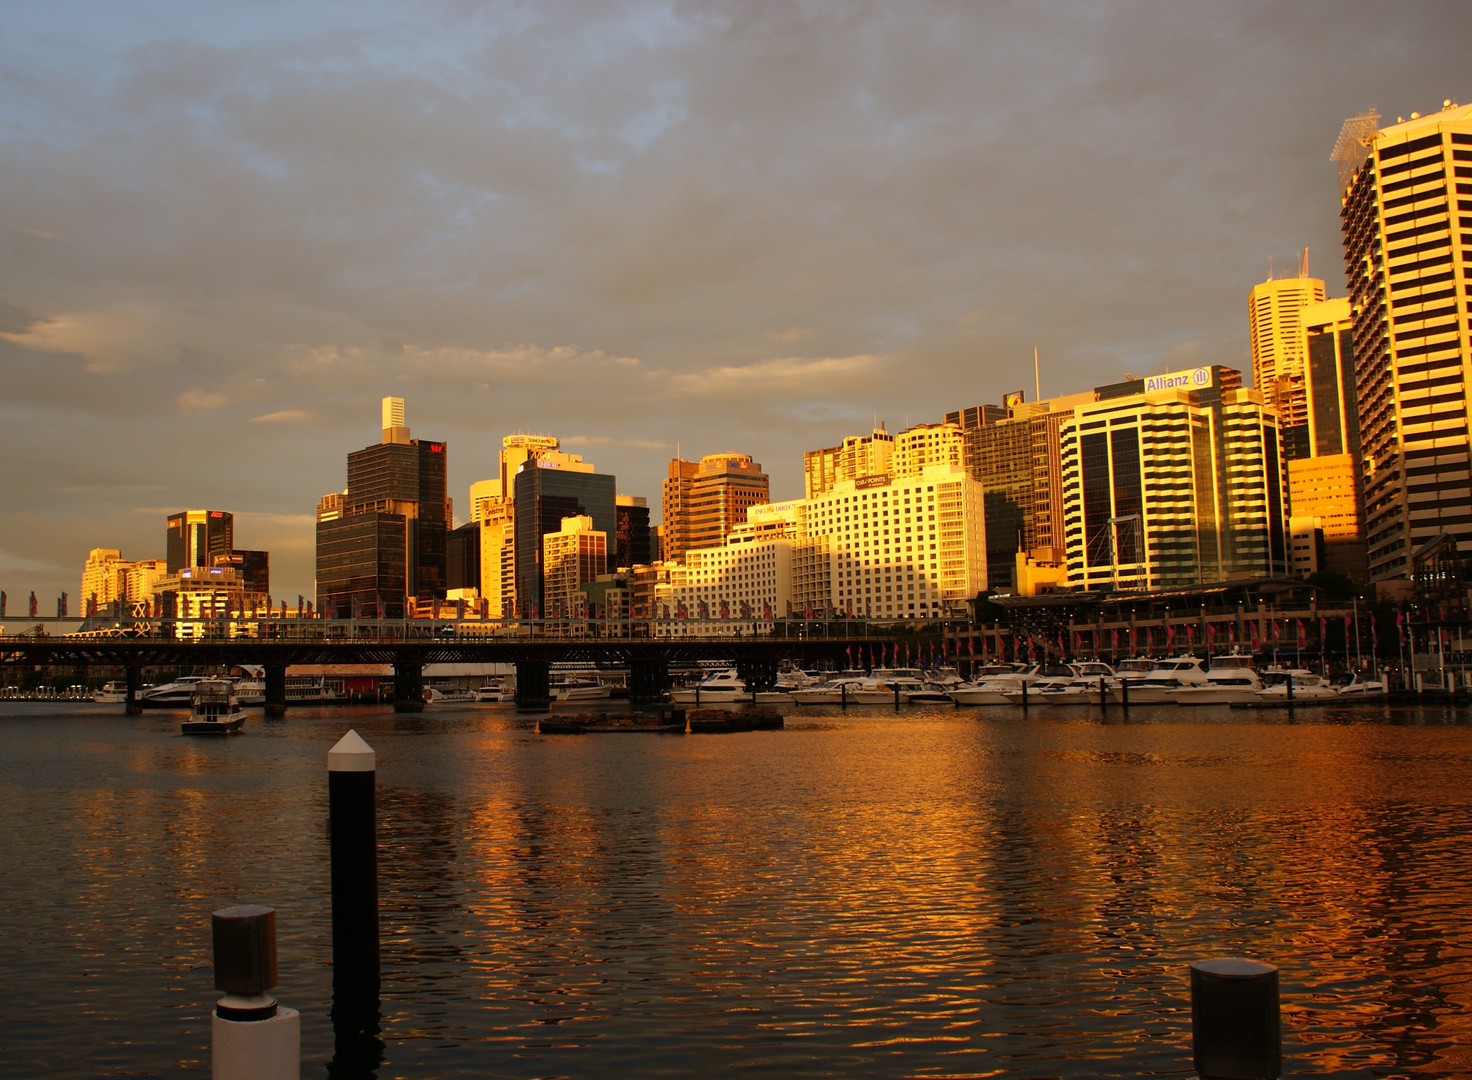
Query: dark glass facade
[[544, 496], [195, 537], [463, 557], [254, 568], [634, 548], [363, 557]]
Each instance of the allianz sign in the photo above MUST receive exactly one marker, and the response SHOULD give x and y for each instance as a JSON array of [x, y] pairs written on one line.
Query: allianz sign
[[1195, 379]]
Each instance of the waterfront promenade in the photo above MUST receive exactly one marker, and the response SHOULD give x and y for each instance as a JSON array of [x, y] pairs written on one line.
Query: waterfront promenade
[[943, 892]]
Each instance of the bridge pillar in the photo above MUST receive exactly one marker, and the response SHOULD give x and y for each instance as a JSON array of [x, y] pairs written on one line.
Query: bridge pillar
[[648, 681], [276, 690], [408, 687], [135, 685], [533, 684], [758, 675]]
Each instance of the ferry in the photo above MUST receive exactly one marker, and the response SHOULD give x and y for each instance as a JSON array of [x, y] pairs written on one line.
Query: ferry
[[213, 709]]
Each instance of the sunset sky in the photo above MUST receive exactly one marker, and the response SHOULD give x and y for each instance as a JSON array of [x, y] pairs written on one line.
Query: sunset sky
[[227, 230]]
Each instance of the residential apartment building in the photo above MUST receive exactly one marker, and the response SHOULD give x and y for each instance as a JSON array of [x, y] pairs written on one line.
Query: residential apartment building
[[1275, 311], [1406, 220], [856, 456], [742, 583], [573, 556], [705, 500], [1173, 480], [104, 577]]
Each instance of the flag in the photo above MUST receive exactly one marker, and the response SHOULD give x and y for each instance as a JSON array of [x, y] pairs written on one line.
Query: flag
[[1210, 634], [789, 609], [1323, 631], [61, 606], [807, 611], [3, 599], [907, 654], [725, 610], [357, 607], [1113, 641], [1231, 633], [766, 611], [1190, 636], [379, 600], [1256, 643], [848, 652], [971, 647], [33, 603], [434, 608], [1399, 621], [1302, 635], [1096, 643], [1132, 641], [1170, 636]]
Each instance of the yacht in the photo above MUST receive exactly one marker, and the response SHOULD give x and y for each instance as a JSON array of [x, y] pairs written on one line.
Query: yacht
[[573, 688], [1050, 679], [1356, 689], [838, 690], [172, 695], [1308, 688], [1231, 680], [1167, 675], [787, 681], [113, 693], [993, 683], [448, 695], [718, 688], [1082, 688], [1126, 671], [213, 709], [495, 691]]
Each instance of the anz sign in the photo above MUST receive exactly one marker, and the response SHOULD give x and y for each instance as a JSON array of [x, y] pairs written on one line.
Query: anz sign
[[1195, 379]]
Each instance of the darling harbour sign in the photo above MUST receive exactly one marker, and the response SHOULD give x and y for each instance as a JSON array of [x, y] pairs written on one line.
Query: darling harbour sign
[[1195, 379]]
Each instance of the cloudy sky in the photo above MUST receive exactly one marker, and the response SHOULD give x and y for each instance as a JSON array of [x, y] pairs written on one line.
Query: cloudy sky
[[227, 230]]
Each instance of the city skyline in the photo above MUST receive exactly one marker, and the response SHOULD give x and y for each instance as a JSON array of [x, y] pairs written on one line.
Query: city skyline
[[167, 344]]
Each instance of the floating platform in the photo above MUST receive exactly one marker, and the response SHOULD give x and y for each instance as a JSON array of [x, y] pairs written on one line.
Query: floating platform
[[710, 721], [668, 721]]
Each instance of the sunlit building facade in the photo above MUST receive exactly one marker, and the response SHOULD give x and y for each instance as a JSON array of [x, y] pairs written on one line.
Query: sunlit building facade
[[705, 500], [1406, 221], [1275, 312], [856, 457], [573, 556]]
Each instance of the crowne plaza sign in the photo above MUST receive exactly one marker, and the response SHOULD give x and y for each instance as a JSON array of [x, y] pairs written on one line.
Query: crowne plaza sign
[[1195, 379]]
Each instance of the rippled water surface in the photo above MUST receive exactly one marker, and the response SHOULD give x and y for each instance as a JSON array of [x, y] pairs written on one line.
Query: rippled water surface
[[935, 893]]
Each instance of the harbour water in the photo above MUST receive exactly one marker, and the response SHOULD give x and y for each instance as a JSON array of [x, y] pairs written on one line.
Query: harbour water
[[935, 893]]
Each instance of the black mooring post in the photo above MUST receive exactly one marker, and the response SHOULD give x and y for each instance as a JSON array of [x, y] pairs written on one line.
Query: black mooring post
[[275, 678], [1103, 696], [132, 705], [353, 850], [1024, 693], [1236, 1032], [1124, 695]]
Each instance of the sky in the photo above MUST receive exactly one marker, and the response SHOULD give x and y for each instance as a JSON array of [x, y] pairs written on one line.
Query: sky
[[227, 230]]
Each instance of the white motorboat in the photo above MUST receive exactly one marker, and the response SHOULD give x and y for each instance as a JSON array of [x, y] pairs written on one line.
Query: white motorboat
[[1308, 688], [1050, 679], [113, 693], [879, 688], [172, 695], [1231, 680], [448, 695], [1357, 689], [213, 709], [836, 691], [495, 691], [1081, 689], [576, 689], [1167, 675], [250, 691], [788, 680], [993, 683], [719, 687]]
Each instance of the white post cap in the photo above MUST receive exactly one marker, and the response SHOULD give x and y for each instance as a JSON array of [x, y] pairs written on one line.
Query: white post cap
[[351, 754]]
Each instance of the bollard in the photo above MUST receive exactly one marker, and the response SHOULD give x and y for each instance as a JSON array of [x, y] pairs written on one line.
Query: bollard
[[1024, 694], [1124, 694], [1290, 688], [896, 696], [1103, 696], [251, 1036], [353, 849], [843, 693], [1235, 1029]]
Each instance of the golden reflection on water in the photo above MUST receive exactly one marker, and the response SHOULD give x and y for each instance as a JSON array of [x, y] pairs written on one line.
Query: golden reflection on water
[[951, 894]]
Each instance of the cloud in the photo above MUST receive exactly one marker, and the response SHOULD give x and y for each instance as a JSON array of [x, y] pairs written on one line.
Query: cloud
[[829, 376], [199, 403], [601, 440], [282, 416]]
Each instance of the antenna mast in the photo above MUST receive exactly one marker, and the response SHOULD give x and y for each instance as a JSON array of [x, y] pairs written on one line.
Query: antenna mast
[[1037, 386]]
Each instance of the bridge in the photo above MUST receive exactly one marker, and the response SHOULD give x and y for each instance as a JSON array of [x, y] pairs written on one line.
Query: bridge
[[408, 645]]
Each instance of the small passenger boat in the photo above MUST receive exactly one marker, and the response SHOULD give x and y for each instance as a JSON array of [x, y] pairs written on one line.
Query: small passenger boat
[[1231, 681], [719, 687], [1308, 688], [213, 710], [576, 689], [113, 693]]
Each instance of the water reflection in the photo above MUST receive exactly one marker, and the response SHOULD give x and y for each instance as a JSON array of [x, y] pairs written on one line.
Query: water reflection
[[940, 893]]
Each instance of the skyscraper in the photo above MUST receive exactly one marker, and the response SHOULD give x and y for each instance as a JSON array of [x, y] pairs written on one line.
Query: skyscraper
[[385, 539], [704, 501], [1405, 200], [544, 495], [1275, 316], [632, 541], [195, 537]]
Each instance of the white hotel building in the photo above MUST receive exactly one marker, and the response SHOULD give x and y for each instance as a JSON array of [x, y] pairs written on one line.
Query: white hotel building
[[886, 547]]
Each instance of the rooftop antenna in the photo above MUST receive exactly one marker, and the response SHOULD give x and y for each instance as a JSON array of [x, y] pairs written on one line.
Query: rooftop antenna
[[1037, 386]]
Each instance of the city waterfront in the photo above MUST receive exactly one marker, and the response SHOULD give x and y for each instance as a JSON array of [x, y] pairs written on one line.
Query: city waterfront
[[939, 892]]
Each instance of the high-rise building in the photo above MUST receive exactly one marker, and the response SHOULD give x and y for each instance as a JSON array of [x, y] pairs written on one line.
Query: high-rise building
[[573, 556], [105, 577], [705, 500], [919, 447], [1275, 317], [252, 569], [544, 495], [1324, 493], [195, 537], [383, 544], [498, 559], [462, 558], [856, 457], [1405, 199], [633, 532], [1173, 480]]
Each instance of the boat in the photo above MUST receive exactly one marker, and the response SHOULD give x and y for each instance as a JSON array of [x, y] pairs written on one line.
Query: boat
[[172, 695], [1358, 689], [1231, 680], [113, 693], [448, 695], [836, 691], [213, 709], [1167, 675], [787, 681], [573, 688], [1130, 671], [719, 687], [250, 691], [931, 693], [1308, 688], [495, 691], [1052, 679], [1082, 689], [993, 683]]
